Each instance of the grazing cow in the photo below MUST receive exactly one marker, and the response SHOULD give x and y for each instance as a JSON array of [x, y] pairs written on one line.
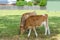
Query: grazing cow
[[24, 17], [35, 21]]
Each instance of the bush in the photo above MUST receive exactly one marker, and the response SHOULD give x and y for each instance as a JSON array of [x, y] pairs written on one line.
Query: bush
[[43, 3], [36, 2], [21, 3], [29, 3]]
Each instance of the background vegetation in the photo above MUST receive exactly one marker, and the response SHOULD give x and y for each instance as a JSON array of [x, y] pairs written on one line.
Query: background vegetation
[[31, 3], [21, 3], [53, 0]]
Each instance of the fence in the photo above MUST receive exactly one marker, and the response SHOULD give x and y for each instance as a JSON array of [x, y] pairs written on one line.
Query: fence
[[22, 7]]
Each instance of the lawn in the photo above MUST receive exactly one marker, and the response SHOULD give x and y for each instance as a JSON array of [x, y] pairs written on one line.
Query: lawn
[[10, 22]]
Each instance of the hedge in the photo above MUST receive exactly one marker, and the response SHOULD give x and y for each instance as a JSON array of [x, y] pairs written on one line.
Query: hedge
[[29, 3], [36, 2], [21, 3], [43, 3]]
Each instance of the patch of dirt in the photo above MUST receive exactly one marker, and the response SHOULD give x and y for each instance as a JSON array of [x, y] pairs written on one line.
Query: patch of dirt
[[16, 37]]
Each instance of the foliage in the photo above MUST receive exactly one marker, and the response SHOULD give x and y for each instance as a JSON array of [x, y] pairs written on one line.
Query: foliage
[[43, 3], [36, 2], [29, 3], [21, 3]]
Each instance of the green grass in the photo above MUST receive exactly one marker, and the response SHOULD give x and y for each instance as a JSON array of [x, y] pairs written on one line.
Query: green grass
[[10, 22]]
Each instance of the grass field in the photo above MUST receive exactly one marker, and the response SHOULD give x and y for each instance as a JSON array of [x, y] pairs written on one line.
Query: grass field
[[10, 22]]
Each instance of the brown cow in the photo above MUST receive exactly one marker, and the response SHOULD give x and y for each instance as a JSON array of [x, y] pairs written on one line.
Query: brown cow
[[35, 21], [25, 16]]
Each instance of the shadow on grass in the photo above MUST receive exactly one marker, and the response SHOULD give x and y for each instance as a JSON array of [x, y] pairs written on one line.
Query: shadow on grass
[[9, 27]]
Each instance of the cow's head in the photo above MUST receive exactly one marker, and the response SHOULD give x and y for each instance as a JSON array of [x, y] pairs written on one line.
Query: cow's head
[[26, 15], [22, 29]]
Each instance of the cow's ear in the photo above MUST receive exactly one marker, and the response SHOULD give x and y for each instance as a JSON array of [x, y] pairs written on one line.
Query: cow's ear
[[22, 25]]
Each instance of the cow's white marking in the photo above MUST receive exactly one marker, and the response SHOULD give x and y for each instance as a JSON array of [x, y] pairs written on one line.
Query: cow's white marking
[[47, 30], [29, 32], [34, 31], [27, 16]]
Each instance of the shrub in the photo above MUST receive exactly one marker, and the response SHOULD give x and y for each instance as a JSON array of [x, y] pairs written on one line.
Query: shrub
[[21, 3], [43, 3], [36, 2], [29, 3]]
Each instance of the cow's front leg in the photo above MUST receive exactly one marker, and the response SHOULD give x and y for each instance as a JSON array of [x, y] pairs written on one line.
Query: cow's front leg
[[34, 29], [29, 32]]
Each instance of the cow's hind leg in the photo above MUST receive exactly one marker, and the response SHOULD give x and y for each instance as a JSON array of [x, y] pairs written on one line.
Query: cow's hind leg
[[47, 30]]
